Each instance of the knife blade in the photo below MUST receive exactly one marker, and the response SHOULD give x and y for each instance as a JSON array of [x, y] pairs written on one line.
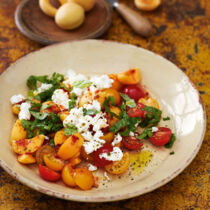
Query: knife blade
[[139, 24]]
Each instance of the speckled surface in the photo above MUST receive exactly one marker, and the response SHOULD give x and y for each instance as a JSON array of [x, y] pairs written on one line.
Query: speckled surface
[[182, 35]]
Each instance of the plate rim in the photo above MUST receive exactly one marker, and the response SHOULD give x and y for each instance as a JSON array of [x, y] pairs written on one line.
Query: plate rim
[[42, 40], [124, 196]]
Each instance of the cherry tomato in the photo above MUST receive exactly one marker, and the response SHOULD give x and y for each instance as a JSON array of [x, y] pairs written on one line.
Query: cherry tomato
[[48, 174], [161, 137], [131, 143], [134, 91], [101, 162], [136, 112]]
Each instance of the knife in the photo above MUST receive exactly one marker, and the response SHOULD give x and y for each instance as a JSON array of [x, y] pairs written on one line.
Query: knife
[[139, 24]]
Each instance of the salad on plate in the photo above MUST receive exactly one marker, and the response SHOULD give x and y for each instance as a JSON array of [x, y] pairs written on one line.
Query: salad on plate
[[73, 125]]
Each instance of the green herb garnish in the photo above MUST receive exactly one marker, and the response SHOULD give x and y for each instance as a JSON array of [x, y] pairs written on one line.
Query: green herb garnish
[[47, 94], [171, 141], [128, 101], [130, 124], [172, 153], [70, 130], [152, 117], [90, 111], [109, 100], [52, 143], [49, 124], [39, 115], [56, 78], [166, 118], [72, 102], [147, 133], [82, 84], [46, 106], [32, 81], [30, 95]]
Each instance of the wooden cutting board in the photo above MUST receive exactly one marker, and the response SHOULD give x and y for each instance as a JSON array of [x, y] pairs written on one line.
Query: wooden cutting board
[[34, 24]]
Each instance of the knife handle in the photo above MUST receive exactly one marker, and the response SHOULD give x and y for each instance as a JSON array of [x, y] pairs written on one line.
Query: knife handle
[[140, 25]]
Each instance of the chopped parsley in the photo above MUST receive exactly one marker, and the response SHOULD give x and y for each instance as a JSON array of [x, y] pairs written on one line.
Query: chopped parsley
[[171, 141], [172, 153], [128, 101], [70, 130], [166, 118]]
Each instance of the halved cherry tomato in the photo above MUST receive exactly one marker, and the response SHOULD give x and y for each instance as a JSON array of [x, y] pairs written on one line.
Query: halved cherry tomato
[[161, 137], [48, 174], [119, 167], [134, 91], [131, 143], [136, 112], [101, 162]]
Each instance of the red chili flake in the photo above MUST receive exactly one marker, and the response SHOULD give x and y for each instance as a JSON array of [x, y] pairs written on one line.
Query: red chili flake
[[57, 146], [22, 142], [90, 128], [65, 90], [105, 130], [74, 138], [132, 71], [97, 91], [29, 153]]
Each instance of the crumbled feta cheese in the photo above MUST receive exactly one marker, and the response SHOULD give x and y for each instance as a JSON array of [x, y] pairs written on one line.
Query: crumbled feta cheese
[[115, 155], [93, 90], [154, 129], [78, 91], [24, 111], [83, 123], [46, 138], [92, 167], [17, 98], [106, 176], [94, 105], [117, 139], [131, 133], [72, 77], [61, 98], [102, 81], [44, 87]]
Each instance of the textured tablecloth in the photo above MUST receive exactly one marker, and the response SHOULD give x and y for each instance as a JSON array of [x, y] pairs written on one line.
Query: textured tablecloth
[[182, 35]]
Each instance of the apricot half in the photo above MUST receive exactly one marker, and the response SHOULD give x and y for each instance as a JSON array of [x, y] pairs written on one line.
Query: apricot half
[[71, 146], [26, 159], [24, 146], [147, 5], [84, 178], [130, 77], [18, 131]]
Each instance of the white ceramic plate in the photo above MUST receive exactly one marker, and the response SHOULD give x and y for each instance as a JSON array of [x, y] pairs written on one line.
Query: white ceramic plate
[[168, 84]]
